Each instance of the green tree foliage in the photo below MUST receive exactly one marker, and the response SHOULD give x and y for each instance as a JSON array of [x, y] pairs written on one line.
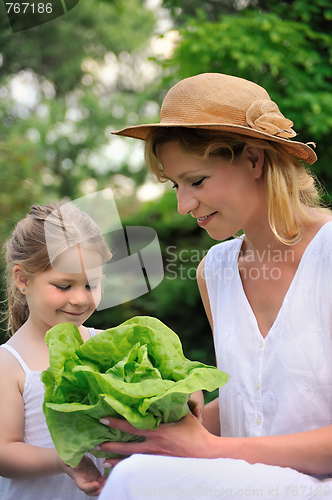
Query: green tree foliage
[[318, 14], [56, 49], [46, 147], [181, 10]]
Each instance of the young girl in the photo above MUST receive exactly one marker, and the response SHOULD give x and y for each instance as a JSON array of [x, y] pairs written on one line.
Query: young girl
[[226, 148], [40, 296]]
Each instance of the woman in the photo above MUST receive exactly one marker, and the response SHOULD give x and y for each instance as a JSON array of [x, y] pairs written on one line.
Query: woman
[[226, 147]]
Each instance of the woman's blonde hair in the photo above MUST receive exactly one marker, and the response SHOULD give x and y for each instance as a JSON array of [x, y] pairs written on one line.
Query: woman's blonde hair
[[289, 184], [28, 248]]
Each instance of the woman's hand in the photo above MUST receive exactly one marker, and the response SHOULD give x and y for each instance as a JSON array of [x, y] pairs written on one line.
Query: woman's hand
[[185, 438], [196, 405], [87, 476], [308, 452]]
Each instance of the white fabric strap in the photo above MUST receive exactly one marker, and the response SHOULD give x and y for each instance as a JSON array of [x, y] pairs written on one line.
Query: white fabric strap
[[18, 357], [92, 332]]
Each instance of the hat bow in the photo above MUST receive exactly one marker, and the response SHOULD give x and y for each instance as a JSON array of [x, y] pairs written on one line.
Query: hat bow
[[265, 116]]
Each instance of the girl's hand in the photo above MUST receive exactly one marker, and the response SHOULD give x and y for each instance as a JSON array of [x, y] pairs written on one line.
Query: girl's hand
[[185, 438], [87, 476]]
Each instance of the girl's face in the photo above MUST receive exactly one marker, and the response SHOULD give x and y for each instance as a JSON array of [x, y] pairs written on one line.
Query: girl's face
[[55, 297], [224, 196]]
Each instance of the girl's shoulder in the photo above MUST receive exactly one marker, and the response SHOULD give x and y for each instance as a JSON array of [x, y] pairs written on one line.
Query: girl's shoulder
[[11, 371], [95, 331], [88, 331], [6, 355]]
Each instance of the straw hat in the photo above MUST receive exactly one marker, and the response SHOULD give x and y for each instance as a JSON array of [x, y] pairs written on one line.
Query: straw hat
[[222, 102]]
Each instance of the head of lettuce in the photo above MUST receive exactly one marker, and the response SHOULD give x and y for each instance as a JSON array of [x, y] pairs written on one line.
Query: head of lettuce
[[136, 371]]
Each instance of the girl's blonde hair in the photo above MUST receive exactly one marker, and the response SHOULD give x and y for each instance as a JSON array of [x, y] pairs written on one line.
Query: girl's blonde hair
[[27, 247], [289, 184]]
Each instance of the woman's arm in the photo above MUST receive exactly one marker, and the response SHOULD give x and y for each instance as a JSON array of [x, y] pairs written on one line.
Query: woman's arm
[[211, 417], [308, 452]]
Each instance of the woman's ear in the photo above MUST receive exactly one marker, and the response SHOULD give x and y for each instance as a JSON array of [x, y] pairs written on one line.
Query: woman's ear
[[256, 156], [21, 278]]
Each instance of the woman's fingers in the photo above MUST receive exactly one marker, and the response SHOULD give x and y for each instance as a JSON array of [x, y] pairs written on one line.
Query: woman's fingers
[[112, 462], [123, 425], [196, 409], [174, 439], [124, 448], [127, 448]]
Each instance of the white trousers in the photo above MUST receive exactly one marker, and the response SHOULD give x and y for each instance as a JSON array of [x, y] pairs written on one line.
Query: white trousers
[[148, 476]]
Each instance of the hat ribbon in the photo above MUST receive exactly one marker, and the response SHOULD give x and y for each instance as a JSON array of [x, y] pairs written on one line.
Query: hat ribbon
[[264, 115]]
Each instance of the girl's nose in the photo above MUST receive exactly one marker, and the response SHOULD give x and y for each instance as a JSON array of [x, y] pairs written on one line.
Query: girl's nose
[[186, 201], [79, 296]]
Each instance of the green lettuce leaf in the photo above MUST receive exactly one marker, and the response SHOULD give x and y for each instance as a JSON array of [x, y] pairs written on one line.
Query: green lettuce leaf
[[136, 371]]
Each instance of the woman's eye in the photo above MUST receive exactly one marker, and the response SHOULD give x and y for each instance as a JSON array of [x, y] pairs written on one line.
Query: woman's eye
[[174, 186], [198, 183]]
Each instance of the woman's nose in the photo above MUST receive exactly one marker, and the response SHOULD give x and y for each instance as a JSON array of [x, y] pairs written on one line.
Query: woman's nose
[[186, 201]]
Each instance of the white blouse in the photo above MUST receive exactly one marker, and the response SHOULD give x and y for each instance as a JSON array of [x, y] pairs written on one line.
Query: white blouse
[[283, 383]]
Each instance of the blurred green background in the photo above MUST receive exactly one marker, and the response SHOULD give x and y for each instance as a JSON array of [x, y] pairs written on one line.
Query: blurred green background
[[65, 85]]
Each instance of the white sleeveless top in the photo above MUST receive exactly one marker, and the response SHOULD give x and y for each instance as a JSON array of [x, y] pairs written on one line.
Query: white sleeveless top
[[59, 487], [283, 383]]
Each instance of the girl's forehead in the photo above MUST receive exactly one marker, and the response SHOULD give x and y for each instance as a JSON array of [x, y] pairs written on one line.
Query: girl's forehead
[[77, 259]]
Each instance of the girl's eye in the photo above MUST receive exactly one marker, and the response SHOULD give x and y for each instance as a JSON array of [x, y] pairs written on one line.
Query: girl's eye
[[63, 288], [91, 287], [174, 186], [198, 183]]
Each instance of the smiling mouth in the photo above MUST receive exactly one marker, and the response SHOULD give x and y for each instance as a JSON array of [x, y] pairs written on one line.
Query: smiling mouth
[[200, 219], [73, 314]]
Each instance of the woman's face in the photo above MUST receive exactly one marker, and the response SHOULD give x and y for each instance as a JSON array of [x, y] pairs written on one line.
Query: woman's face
[[224, 196]]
